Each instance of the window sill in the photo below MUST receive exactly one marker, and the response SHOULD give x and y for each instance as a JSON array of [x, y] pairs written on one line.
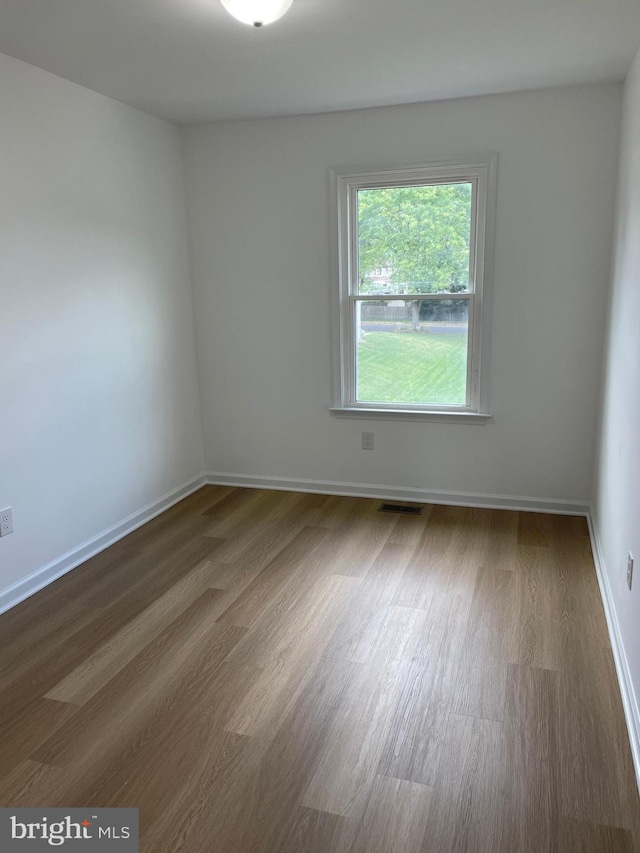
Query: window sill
[[443, 417]]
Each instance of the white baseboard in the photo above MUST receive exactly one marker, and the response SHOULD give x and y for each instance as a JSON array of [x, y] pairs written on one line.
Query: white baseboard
[[629, 700], [401, 493], [52, 571], [41, 578]]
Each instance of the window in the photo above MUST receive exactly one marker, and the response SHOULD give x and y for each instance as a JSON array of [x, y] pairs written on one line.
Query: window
[[411, 310]]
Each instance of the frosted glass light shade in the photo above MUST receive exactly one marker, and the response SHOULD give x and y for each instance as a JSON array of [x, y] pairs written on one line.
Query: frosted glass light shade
[[256, 12]]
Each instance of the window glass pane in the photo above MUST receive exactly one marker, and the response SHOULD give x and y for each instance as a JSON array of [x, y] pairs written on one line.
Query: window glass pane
[[414, 239], [412, 351]]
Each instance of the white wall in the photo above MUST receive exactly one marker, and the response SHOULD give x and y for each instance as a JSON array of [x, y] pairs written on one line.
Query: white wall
[[99, 410], [259, 231], [617, 499]]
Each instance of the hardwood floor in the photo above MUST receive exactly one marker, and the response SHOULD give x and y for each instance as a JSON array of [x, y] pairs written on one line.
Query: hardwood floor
[[271, 672]]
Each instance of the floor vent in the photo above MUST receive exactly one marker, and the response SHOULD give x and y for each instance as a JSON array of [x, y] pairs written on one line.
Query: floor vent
[[405, 510]]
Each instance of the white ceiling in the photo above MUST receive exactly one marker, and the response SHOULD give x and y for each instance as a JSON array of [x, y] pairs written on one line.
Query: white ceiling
[[188, 60]]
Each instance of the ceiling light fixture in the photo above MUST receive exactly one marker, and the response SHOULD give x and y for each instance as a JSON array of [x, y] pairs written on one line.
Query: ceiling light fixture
[[256, 12]]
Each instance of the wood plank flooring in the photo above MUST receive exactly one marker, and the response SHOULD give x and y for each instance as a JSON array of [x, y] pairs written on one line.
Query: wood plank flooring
[[273, 672]]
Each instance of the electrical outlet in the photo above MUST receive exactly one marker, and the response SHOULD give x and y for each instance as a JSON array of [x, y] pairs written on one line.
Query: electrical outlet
[[367, 440], [6, 522], [630, 570]]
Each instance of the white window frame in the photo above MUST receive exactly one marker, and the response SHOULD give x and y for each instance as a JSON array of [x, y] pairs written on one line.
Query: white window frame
[[481, 172]]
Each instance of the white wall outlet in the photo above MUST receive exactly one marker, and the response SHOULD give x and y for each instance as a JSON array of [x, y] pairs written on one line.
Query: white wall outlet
[[367, 440], [630, 570], [6, 521]]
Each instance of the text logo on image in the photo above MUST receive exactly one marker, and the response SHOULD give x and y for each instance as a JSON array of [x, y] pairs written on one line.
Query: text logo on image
[[82, 830]]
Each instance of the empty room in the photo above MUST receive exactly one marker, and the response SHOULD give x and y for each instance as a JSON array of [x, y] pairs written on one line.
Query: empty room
[[319, 418]]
